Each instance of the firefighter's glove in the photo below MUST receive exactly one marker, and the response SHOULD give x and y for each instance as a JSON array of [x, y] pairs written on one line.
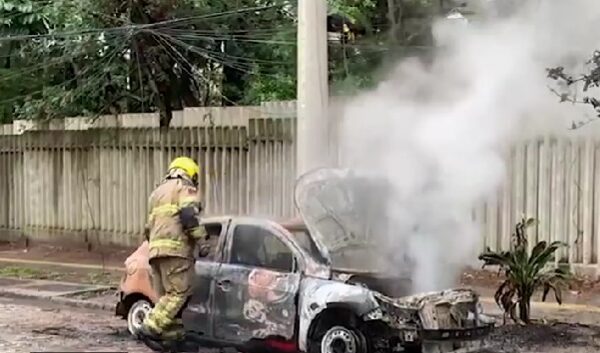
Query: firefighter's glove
[[188, 216], [203, 250]]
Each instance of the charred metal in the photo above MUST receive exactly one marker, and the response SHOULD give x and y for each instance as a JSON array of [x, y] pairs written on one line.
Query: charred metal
[[289, 286]]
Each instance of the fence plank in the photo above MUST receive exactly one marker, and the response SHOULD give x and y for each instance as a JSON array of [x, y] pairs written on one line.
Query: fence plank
[[530, 193], [544, 190], [587, 195]]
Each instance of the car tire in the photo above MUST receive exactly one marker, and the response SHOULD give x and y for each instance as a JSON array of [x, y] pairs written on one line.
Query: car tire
[[136, 314], [342, 339]]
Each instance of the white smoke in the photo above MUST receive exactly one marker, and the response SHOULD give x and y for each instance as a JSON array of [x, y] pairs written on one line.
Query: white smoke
[[438, 131]]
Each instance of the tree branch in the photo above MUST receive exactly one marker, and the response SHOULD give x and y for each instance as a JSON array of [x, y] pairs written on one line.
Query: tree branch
[[565, 97]]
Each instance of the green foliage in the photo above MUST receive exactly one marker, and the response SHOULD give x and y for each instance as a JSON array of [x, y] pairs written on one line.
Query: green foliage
[[525, 272], [356, 11], [20, 16], [17, 18], [95, 57]]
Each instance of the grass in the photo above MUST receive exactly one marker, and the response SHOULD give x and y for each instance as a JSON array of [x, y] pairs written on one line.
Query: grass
[[82, 276], [102, 278], [28, 273]]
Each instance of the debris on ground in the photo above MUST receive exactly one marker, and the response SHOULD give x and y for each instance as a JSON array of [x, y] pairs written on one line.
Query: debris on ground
[[57, 331], [547, 338]]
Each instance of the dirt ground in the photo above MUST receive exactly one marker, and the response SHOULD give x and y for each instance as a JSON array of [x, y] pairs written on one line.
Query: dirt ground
[[581, 290], [109, 256], [30, 326], [545, 338], [35, 326], [479, 277]]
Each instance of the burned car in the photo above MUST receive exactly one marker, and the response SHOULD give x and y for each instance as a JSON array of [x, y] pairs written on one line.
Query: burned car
[[267, 286], [136, 295]]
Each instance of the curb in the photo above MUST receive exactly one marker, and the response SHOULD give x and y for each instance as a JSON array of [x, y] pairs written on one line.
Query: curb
[[59, 300]]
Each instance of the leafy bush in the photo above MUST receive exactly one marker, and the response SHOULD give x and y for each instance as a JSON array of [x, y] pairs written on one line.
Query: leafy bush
[[525, 273]]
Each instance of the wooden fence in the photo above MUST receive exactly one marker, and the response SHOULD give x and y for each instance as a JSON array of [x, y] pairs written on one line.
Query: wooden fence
[[92, 185], [89, 182], [557, 181]]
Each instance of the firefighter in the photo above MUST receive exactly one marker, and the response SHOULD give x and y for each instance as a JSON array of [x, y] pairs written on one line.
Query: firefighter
[[173, 229]]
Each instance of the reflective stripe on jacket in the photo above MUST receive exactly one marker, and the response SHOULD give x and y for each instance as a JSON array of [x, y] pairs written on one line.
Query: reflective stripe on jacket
[[166, 235]]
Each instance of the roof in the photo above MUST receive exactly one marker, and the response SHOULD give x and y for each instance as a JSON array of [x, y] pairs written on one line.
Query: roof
[[291, 224]]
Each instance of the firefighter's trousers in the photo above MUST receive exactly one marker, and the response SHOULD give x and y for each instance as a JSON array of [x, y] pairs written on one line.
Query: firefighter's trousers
[[171, 279]]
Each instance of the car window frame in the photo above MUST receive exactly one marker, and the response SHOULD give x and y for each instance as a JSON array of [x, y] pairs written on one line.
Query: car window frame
[[296, 255], [219, 253]]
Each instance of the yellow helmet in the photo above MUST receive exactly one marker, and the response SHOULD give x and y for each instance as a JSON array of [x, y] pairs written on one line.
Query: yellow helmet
[[187, 165]]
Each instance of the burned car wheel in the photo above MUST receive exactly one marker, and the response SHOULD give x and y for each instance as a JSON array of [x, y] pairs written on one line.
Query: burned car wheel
[[136, 315], [340, 339]]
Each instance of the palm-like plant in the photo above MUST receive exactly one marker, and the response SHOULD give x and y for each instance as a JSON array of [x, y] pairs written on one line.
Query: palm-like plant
[[525, 273]]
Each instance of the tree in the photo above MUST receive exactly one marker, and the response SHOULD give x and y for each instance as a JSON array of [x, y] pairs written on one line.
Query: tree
[[62, 67], [525, 273], [143, 56], [17, 18], [591, 79], [88, 58], [389, 30]]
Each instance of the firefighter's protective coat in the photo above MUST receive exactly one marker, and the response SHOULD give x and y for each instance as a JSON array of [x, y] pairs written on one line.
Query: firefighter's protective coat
[[173, 231], [167, 236]]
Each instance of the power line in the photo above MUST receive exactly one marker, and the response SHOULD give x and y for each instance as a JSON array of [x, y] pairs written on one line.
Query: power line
[[193, 75], [218, 55], [111, 55], [134, 27], [174, 40]]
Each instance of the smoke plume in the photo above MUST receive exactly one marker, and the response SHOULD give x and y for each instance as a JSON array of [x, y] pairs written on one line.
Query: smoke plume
[[438, 131]]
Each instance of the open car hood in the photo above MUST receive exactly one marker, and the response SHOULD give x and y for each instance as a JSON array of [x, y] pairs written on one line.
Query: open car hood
[[344, 213]]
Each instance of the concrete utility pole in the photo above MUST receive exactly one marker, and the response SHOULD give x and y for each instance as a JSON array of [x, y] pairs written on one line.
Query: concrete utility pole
[[313, 87]]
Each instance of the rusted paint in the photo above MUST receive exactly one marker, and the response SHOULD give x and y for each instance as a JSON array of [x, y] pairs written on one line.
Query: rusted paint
[[258, 303], [270, 287], [138, 274]]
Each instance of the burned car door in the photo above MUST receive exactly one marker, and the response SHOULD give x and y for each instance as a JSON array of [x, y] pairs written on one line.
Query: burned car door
[[198, 314], [256, 285]]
